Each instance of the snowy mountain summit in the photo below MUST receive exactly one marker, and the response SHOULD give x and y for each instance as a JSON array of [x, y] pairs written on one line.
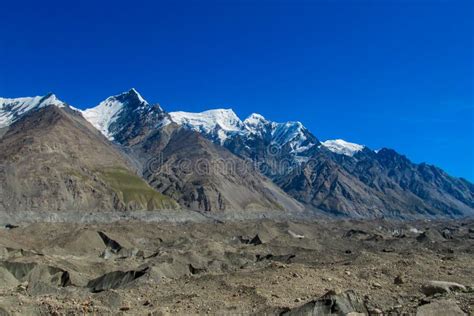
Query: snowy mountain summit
[[219, 124], [223, 126], [12, 109], [104, 115], [121, 113], [128, 114], [340, 146]]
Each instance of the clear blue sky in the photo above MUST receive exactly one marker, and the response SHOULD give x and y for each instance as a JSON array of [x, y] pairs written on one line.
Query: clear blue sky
[[395, 74]]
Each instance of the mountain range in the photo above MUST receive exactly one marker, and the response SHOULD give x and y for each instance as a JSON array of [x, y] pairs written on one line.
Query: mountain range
[[127, 154]]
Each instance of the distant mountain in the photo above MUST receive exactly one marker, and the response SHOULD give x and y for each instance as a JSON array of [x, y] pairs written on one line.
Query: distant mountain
[[186, 157], [51, 158], [336, 176], [144, 132]]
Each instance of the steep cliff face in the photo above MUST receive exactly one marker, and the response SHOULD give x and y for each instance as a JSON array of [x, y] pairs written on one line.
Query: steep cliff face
[[53, 159]]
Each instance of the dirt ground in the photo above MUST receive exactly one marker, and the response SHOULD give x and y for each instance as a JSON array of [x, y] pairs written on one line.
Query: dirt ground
[[235, 267]]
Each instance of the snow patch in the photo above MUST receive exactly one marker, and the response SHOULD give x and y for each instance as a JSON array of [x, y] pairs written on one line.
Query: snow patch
[[219, 122], [12, 109], [255, 122], [340, 146], [103, 115]]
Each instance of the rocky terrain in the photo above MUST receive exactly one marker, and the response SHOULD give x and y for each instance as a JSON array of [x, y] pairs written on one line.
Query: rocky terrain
[[273, 267]]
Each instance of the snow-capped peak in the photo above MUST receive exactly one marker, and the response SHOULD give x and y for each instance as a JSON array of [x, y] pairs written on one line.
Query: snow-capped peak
[[222, 124], [108, 111], [122, 115], [256, 123], [138, 95], [255, 119], [12, 109], [51, 99], [218, 123], [340, 146], [131, 97]]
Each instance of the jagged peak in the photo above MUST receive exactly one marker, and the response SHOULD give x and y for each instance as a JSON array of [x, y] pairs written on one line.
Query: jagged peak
[[224, 118], [137, 94], [255, 119], [131, 96], [342, 147], [217, 122], [11, 109], [51, 98], [36, 100]]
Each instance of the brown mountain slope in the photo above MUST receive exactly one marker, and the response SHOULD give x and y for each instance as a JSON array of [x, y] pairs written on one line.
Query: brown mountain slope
[[368, 186], [52, 159], [206, 177]]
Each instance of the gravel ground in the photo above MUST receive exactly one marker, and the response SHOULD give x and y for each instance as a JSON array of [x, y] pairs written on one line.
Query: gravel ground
[[190, 263]]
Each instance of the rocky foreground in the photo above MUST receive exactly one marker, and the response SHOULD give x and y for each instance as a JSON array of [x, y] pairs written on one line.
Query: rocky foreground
[[247, 267]]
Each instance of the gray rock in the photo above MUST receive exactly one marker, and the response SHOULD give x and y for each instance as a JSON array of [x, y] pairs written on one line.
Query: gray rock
[[115, 279], [399, 280], [3, 312], [110, 243], [34, 274], [331, 304], [434, 287], [440, 308]]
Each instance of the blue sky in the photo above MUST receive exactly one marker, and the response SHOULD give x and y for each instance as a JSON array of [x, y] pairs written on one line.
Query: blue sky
[[395, 74]]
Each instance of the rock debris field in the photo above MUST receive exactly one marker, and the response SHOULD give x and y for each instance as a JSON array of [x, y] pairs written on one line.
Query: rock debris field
[[273, 267]]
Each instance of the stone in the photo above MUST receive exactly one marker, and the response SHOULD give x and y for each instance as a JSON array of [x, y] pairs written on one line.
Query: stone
[[399, 280], [115, 279], [347, 303], [440, 308], [441, 287]]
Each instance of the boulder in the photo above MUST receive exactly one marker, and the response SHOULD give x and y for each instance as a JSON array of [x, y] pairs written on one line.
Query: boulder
[[347, 303], [256, 241], [10, 226], [440, 308], [279, 258], [399, 280], [434, 287], [115, 279], [114, 246]]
